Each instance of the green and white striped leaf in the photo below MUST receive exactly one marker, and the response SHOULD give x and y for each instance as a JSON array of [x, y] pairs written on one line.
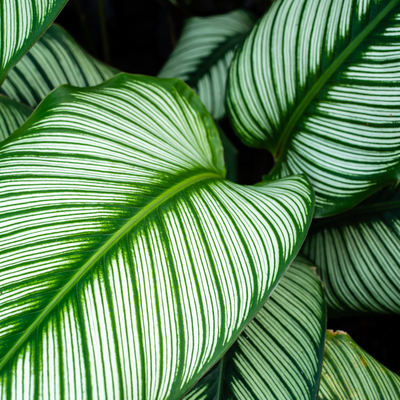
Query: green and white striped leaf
[[357, 255], [316, 83], [22, 22], [348, 372], [204, 53], [12, 116], [56, 59], [279, 355], [128, 264]]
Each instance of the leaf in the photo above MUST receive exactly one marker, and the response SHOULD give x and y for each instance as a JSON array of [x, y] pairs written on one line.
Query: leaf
[[12, 116], [348, 372], [316, 83], [230, 157], [56, 59], [279, 355], [22, 22], [204, 53], [129, 266], [357, 255]]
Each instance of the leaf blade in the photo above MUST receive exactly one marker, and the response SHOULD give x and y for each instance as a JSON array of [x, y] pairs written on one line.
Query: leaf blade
[[93, 160]]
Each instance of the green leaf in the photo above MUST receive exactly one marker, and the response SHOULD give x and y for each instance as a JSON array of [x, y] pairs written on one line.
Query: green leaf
[[230, 156], [279, 355], [357, 255], [348, 372], [12, 116], [204, 53], [316, 83], [22, 22], [56, 59], [129, 265]]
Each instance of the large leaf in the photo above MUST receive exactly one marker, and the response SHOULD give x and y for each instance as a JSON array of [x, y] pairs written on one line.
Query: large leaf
[[128, 265], [348, 372], [22, 22], [55, 59], [204, 53], [316, 83], [357, 255], [12, 116], [279, 355]]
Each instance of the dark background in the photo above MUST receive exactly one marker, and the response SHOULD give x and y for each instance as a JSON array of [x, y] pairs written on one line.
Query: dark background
[[137, 36]]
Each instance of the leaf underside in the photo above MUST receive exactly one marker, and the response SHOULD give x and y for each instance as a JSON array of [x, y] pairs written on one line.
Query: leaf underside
[[357, 255], [21, 25], [348, 372], [12, 116], [56, 59], [316, 82], [129, 266], [279, 354], [203, 55]]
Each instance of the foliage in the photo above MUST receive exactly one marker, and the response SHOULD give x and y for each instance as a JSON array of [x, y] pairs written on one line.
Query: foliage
[[132, 268]]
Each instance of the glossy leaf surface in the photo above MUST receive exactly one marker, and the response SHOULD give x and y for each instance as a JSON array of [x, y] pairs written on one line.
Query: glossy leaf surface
[[204, 53], [129, 265], [348, 372], [357, 255], [22, 22], [12, 116], [279, 354], [56, 59], [316, 83]]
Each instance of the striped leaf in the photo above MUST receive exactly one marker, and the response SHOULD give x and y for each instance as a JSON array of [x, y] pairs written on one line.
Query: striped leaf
[[348, 372], [12, 116], [279, 355], [357, 255], [22, 22], [316, 83], [56, 59], [128, 264], [204, 53]]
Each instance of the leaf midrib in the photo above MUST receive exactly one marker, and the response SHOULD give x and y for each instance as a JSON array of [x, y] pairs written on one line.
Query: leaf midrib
[[206, 63], [327, 74], [136, 219]]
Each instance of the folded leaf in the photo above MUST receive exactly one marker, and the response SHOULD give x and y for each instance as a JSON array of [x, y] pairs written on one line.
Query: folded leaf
[[279, 355], [22, 22], [316, 83], [12, 116], [128, 265], [56, 59], [357, 255], [348, 372], [204, 53]]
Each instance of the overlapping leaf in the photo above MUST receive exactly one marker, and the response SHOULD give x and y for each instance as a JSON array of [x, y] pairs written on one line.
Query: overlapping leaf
[[279, 355], [22, 22], [128, 265], [316, 83], [12, 116], [204, 53], [348, 372], [357, 255], [56, 59]]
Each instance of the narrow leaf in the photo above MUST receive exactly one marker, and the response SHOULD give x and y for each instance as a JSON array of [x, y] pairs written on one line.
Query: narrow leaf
[[315, 84], [348, 372], [128, 264], [22, 22], [12, 116], [357, 255], [204, 53], [279, 355], [56, 59]]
